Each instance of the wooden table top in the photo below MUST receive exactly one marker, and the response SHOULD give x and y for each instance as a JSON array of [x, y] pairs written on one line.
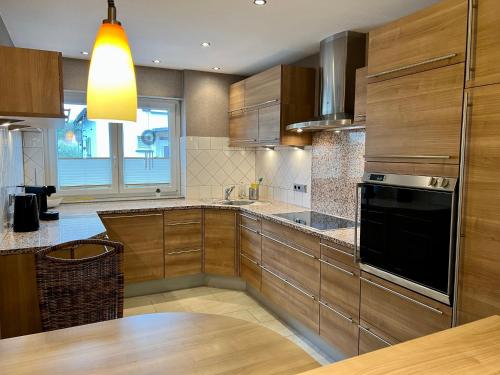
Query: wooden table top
[[473, 348], [170, 343]]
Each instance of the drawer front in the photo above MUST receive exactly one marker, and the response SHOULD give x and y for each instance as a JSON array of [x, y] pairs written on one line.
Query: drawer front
[[250, 221], [300, 240], [339, 331], [183, 236], [292, 264], [183, 263], [182, 216], [398, 312], [250, 271], [300, 305], [369, 341], [337, 252], [340, 287], [250, 243]]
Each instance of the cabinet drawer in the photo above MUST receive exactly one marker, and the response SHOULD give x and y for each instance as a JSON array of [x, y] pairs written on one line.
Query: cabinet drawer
[[183, 236], [337, 252], [340, 287], [183, 263], [291, 263], [370, 341], [301, 305], [293, 237], [250, 243], [432, 37], [339, 331], [398, 312], [182, 216], [250, 221], [263, 87], [250, 271]]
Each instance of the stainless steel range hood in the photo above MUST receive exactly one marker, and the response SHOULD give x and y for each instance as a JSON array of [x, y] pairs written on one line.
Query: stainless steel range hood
[[341, 54]]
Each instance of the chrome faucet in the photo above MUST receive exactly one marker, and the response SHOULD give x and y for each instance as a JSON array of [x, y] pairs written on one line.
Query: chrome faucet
[[228, 191]]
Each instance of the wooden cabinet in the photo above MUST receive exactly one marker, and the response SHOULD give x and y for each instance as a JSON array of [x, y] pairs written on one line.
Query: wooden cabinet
[[183, 242], [305, 242], [220, 242], [339, 330], [416, 118], [433, 37], [30, 83], [370, 341], [360, 98], [485, 39], [250, 271], [479, 276], [250, 242], [142, 237], [272, 100], [399, 313], [338, 252]]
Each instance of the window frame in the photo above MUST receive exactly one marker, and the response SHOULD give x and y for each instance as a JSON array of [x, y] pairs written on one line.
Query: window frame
[[118, 188]]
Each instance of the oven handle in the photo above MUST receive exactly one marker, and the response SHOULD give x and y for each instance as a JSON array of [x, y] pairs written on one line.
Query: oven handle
[[356, 225]]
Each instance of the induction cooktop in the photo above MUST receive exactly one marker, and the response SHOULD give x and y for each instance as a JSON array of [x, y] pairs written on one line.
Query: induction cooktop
[[317, 220]]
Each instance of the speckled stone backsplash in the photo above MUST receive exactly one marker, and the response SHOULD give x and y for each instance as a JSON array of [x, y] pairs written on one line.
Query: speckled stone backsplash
[[337, 166]]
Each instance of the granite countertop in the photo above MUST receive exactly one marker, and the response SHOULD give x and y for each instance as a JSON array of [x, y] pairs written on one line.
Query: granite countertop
[[81, 221]]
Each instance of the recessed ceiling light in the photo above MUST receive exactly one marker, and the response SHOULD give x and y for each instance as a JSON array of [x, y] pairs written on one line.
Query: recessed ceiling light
[[299, 130], [206, 44], [259, 2], [85, 53], [157, 61], [216, 68]]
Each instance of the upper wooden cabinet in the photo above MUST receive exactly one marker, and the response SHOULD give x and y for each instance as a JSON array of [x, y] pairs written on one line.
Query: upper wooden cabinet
[[261, 106], [416, 118], [220, 242], [433, 37], [30, 83], [360, 98], [484, 68]]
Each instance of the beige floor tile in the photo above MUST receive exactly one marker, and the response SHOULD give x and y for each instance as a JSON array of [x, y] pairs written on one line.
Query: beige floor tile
[[261, 314], [244, 315], [278, 327], [202, 305], [147, 309], [170, 306], [191, 293], [309, 349], [136, 301]]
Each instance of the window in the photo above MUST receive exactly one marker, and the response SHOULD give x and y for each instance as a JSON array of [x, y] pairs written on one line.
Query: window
[[101, 158]]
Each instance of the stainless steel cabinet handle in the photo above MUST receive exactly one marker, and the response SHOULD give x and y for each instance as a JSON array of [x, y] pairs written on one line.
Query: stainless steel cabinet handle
[[249, 217], [356, 225], [340, 251], [382, 156], [249, 229], [360, 117], [337, 267], [249, 259], [246, 140], [269, 139], [184, 223], [409, 66], [289, 246], [288, 282], [367, 330], [184, 252], [260, 104], [324, 304], [130, 216], [471, 45], [403, 296]]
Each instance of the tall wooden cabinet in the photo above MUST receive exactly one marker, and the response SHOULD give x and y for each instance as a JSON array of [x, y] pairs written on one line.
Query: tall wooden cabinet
[[220, 242], [30, 83]]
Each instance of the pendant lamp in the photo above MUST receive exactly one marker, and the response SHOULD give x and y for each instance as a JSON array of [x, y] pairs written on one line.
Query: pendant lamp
[[111, 88]]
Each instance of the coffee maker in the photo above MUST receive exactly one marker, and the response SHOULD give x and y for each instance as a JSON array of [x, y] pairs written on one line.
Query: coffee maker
[[42, 192]]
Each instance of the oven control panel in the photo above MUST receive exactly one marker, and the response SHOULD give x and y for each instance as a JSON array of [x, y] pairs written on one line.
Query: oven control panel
[[420, 182]]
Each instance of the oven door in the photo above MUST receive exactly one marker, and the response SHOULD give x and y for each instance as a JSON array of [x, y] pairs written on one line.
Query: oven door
[[406, 236]]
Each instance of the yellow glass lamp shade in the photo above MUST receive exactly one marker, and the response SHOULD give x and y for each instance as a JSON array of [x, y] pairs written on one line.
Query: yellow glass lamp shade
[[111, 89]]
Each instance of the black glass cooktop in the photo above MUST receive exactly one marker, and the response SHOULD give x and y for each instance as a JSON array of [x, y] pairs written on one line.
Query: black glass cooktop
[[317, 220]]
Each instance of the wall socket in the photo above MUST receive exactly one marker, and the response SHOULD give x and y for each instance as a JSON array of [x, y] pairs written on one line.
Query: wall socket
[[300, 188]]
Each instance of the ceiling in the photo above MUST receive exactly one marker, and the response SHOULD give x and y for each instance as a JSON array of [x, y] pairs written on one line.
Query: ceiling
[[245, 38]]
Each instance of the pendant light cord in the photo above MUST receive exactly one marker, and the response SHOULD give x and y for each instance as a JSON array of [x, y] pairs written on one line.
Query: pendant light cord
[[112, 12], [111, 3]]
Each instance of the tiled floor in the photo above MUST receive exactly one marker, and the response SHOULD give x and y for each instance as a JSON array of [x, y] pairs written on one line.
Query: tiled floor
[[221, 302]]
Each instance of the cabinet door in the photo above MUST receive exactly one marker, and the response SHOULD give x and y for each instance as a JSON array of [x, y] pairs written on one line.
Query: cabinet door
[[360, 98], [484, 68], [236, 96], [369, 341], [263, 87], [270, 124], [142, 237], [417, 117], [220, 242], [479, 277], [30, 83], [399, 313], [435, 36], [339, 331], [250, 271], [244, 128]]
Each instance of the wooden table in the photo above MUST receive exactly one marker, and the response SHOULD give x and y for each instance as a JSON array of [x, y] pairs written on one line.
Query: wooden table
[[171, 343], [473, 348]]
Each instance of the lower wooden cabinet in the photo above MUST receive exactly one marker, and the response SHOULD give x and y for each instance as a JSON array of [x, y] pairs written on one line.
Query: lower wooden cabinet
[[183, 263], [250, 271], [250, 242], [142, 236], [220, 242], [400, 313], [339, 330], [369, 341]]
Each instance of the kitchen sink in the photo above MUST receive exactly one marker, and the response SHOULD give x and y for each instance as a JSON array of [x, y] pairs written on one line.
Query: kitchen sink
[[237, 203]]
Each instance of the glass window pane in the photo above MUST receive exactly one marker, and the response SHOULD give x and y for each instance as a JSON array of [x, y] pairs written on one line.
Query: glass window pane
[[146, 149], [83, 150]]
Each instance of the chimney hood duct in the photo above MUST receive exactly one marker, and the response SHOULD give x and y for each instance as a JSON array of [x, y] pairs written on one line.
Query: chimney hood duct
[[340, 55]]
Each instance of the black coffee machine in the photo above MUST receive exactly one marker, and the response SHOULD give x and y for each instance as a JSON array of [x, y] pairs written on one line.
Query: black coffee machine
[[42, 192]]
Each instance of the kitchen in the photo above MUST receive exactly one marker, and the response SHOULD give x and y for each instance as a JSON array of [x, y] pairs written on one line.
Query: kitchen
[[325, 200]]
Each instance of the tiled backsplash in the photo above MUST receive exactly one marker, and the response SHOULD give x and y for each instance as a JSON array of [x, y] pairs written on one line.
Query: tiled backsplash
[[211, 165], [33, 155], [337, 166], [11, 170], [281, 168]]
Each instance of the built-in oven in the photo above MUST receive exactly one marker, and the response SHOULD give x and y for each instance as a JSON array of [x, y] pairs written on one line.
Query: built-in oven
[[406, 231]]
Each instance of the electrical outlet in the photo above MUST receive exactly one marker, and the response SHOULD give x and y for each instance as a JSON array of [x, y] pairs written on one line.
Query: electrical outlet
[[300, 188]]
